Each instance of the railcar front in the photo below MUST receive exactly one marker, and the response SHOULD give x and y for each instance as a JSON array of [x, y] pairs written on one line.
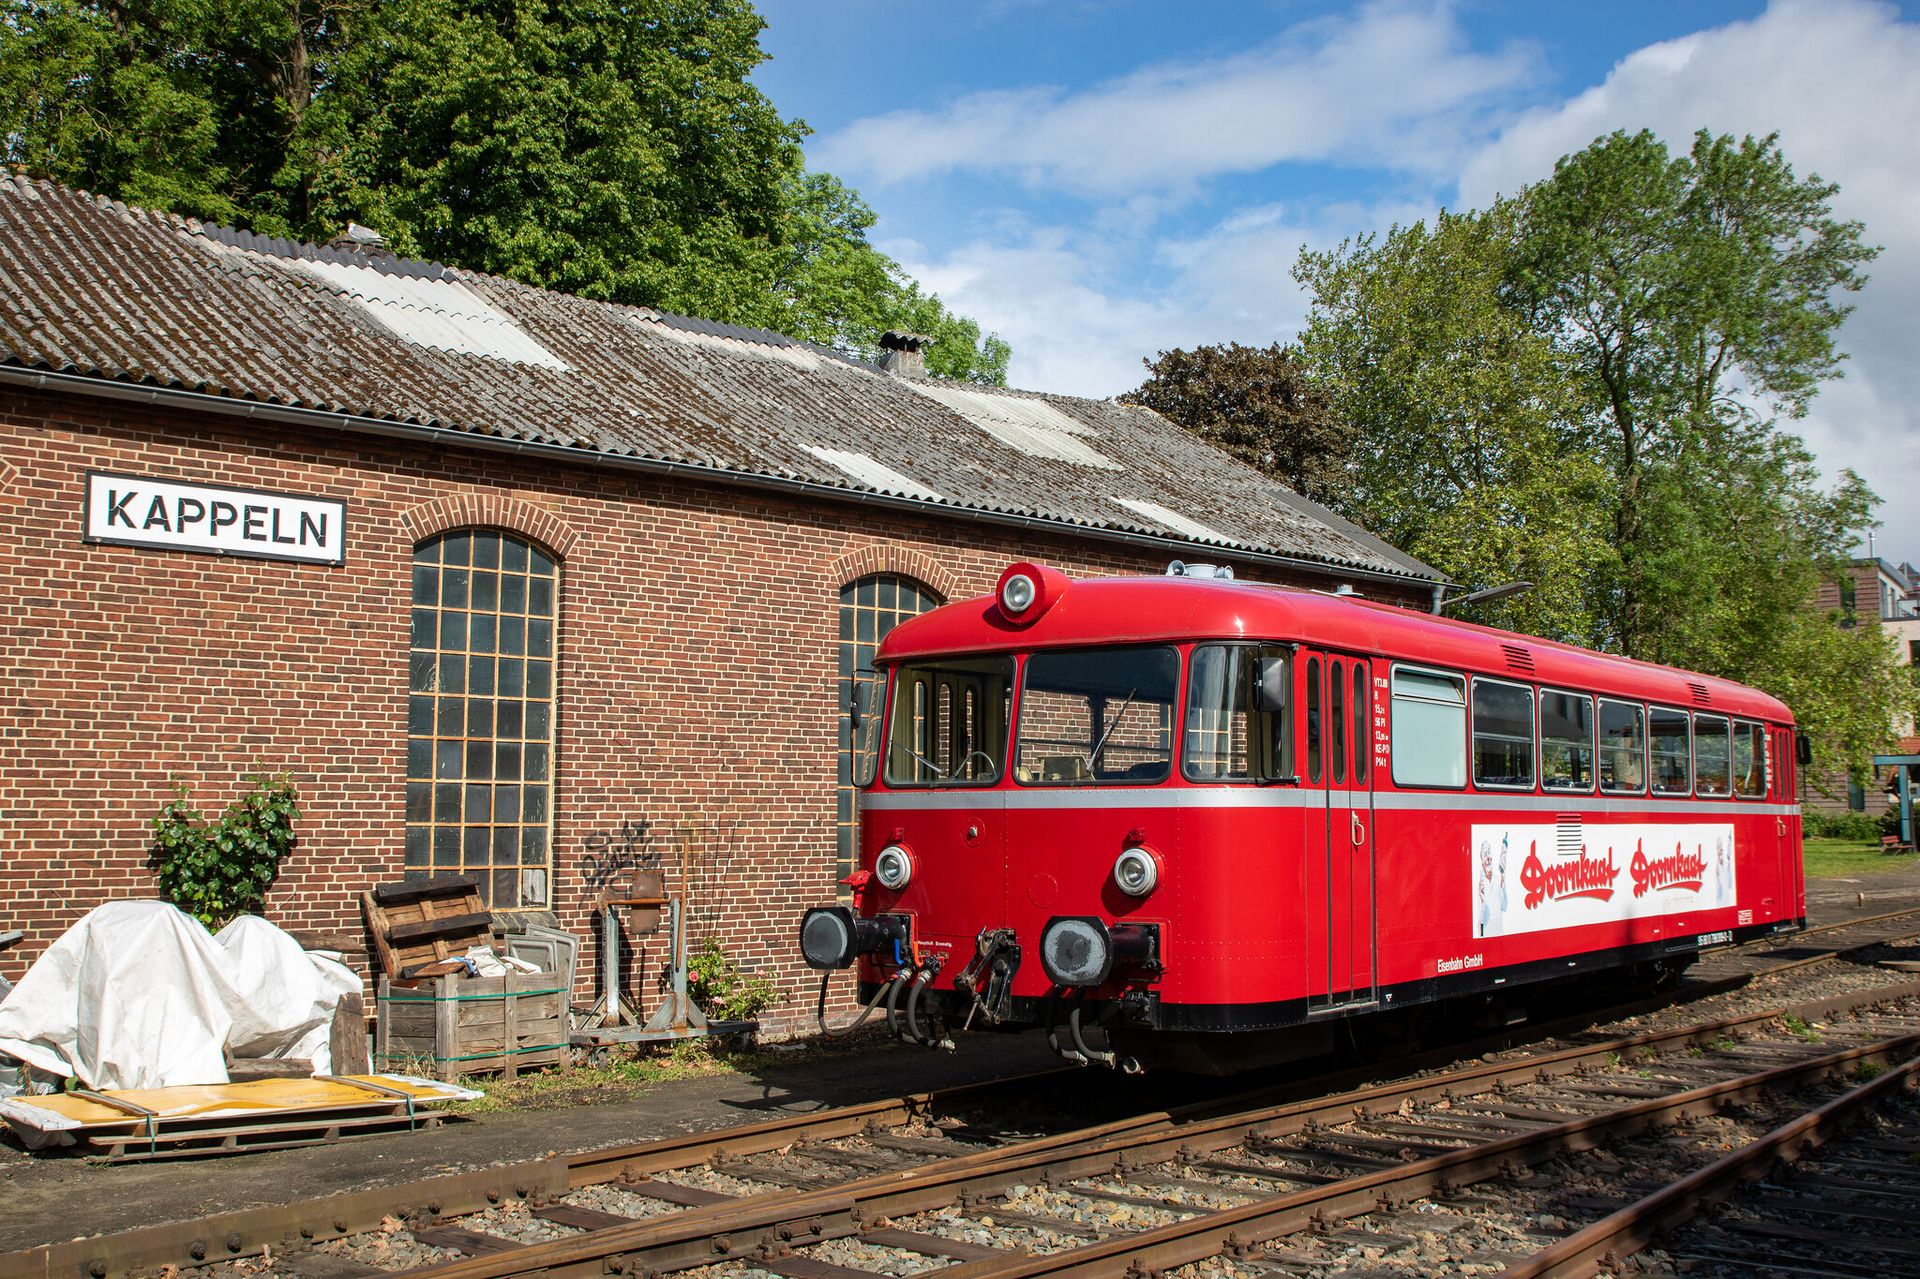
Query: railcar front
[[1199, 822]]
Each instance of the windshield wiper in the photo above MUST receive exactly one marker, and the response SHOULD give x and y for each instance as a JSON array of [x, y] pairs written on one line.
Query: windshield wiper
[[937, 770], [1093, 760]]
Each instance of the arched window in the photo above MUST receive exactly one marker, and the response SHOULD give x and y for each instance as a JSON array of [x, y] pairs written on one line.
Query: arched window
[[480, 714], [869, 608]]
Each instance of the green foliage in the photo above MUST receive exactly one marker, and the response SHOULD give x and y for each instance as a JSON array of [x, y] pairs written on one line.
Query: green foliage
[[1818, 824], [724, 992], [1256, 404], [1584, 386], [1461, 454], [217, 870], [613, 150]]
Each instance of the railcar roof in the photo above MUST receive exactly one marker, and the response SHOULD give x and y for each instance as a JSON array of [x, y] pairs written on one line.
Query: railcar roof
[[1125, 610]]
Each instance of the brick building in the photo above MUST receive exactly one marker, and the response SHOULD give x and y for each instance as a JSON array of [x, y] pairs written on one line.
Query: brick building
[[509, 582], [1870, 592]]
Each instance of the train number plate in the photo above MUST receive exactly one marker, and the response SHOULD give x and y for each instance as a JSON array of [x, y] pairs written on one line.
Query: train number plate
[[1721, 938]]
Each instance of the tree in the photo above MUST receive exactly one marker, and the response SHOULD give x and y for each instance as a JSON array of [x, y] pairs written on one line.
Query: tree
[[1459, 451], [1586, 385], [613, 150], [1696, 299], [1256, 404]]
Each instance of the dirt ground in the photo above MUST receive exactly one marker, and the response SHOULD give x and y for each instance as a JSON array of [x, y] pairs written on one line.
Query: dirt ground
[[57, 1197]]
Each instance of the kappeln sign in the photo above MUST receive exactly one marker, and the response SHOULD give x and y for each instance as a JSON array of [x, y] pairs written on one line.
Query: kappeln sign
[[132, 511]]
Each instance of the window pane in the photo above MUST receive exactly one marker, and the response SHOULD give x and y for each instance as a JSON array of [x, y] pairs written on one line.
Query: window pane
[[1749, 760], [1337, 711], [461, 821], [1710, 759], [1672, 752], [1362, 739], [513, 594], [1097, 715], [1230, 737], [1623, 742], [1429, 728], [1313, 719], [951, 730], [1566, 741], [1502, 735]]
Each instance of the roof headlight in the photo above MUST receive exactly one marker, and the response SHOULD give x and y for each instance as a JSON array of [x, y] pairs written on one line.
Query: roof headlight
[[1137, 872], [893, 868], [1017, 594]]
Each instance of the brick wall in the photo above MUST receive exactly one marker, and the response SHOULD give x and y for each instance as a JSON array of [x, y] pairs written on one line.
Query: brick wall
[[696, 699]]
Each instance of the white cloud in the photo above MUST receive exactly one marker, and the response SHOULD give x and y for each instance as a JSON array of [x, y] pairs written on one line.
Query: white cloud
[[1840, 82], [1394, 85]]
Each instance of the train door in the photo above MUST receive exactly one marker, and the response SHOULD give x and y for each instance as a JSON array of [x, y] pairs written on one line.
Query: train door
[[1345, 732]]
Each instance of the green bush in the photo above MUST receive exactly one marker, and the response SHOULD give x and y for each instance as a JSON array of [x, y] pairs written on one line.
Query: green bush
[[217, 870], [1858, 826], [723, 992]]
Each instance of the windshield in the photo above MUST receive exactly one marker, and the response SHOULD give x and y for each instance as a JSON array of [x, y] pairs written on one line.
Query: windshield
[[949, 724], [1098, 715]]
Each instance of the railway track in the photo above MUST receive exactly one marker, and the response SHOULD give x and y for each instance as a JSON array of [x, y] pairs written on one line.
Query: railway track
[[829, 1177]]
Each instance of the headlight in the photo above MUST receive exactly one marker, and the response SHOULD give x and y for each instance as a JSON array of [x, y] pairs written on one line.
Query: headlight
[[1137, 872], [1076, 951], [1016, 596], [826, 937], [893, 868]]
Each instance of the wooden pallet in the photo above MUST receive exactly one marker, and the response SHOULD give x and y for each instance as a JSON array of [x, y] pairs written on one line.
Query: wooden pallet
[[415, 925]]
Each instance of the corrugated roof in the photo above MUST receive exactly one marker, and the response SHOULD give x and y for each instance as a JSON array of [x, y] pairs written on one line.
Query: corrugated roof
[[94, 288]]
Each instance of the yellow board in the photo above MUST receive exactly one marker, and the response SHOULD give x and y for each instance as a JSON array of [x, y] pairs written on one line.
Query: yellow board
[[261, 1097]]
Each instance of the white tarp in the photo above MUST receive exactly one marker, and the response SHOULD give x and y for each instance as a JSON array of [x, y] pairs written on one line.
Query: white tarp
[[140, 995]]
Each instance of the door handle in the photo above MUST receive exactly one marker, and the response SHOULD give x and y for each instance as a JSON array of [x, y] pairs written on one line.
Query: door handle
[[1780, 826], [1359, 830]]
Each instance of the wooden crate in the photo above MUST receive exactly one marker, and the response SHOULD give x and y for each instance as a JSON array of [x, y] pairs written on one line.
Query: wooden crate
[[455, 1025]]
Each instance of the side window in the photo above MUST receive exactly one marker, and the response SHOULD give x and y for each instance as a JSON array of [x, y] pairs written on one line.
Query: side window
[[1502, 734], [481, 714], [1711, 766], [1232, 733], [1749, 761], [1672, 752], [1429, 729], [1337, 712], [1313, 719], [1623, 747], [1362, 739], [1566, 741]]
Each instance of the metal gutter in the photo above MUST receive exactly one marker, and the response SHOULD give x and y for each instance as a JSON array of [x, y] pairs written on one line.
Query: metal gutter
[[356, 424]]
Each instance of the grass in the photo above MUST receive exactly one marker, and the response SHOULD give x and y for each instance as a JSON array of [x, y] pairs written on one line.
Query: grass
[[1849, 857], [626, 1076]]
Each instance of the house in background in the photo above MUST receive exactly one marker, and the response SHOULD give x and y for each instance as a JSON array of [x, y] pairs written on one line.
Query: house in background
[[1873, 592]]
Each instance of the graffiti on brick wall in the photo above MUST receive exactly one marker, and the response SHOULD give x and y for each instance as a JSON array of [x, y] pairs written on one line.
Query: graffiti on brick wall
[[614, 854]]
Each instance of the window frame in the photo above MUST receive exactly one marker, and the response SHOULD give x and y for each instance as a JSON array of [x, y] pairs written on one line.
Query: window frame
[[1017, 714], [440, 732], [1686, 717], [1646, 745], [895, 685], [1393, 697], [1757, 731], [1540, 741], [1533, 750], [1694, 729], [1288, 745]]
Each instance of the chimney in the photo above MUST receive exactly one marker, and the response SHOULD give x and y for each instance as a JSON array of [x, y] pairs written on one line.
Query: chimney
[[359, 239], [900, 354]]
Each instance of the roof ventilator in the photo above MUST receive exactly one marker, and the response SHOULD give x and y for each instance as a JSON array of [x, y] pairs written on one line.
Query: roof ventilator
[[1215, 572], [1701, 697], [1518, 658]]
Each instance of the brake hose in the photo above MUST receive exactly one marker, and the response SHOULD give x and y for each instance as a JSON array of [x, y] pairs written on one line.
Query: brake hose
[[820, 1013]]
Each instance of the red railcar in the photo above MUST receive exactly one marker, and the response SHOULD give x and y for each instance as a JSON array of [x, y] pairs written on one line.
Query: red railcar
[[1212, 818]]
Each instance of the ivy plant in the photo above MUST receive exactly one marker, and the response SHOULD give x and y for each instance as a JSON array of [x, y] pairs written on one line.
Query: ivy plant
[[215, 870]]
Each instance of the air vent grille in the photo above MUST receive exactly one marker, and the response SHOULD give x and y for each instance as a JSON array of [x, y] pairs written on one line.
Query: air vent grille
[[1701, 697], [1569, 834], [1518, 658]]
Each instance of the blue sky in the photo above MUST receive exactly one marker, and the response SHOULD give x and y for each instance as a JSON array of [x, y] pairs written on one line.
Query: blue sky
[[1098, 180]]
